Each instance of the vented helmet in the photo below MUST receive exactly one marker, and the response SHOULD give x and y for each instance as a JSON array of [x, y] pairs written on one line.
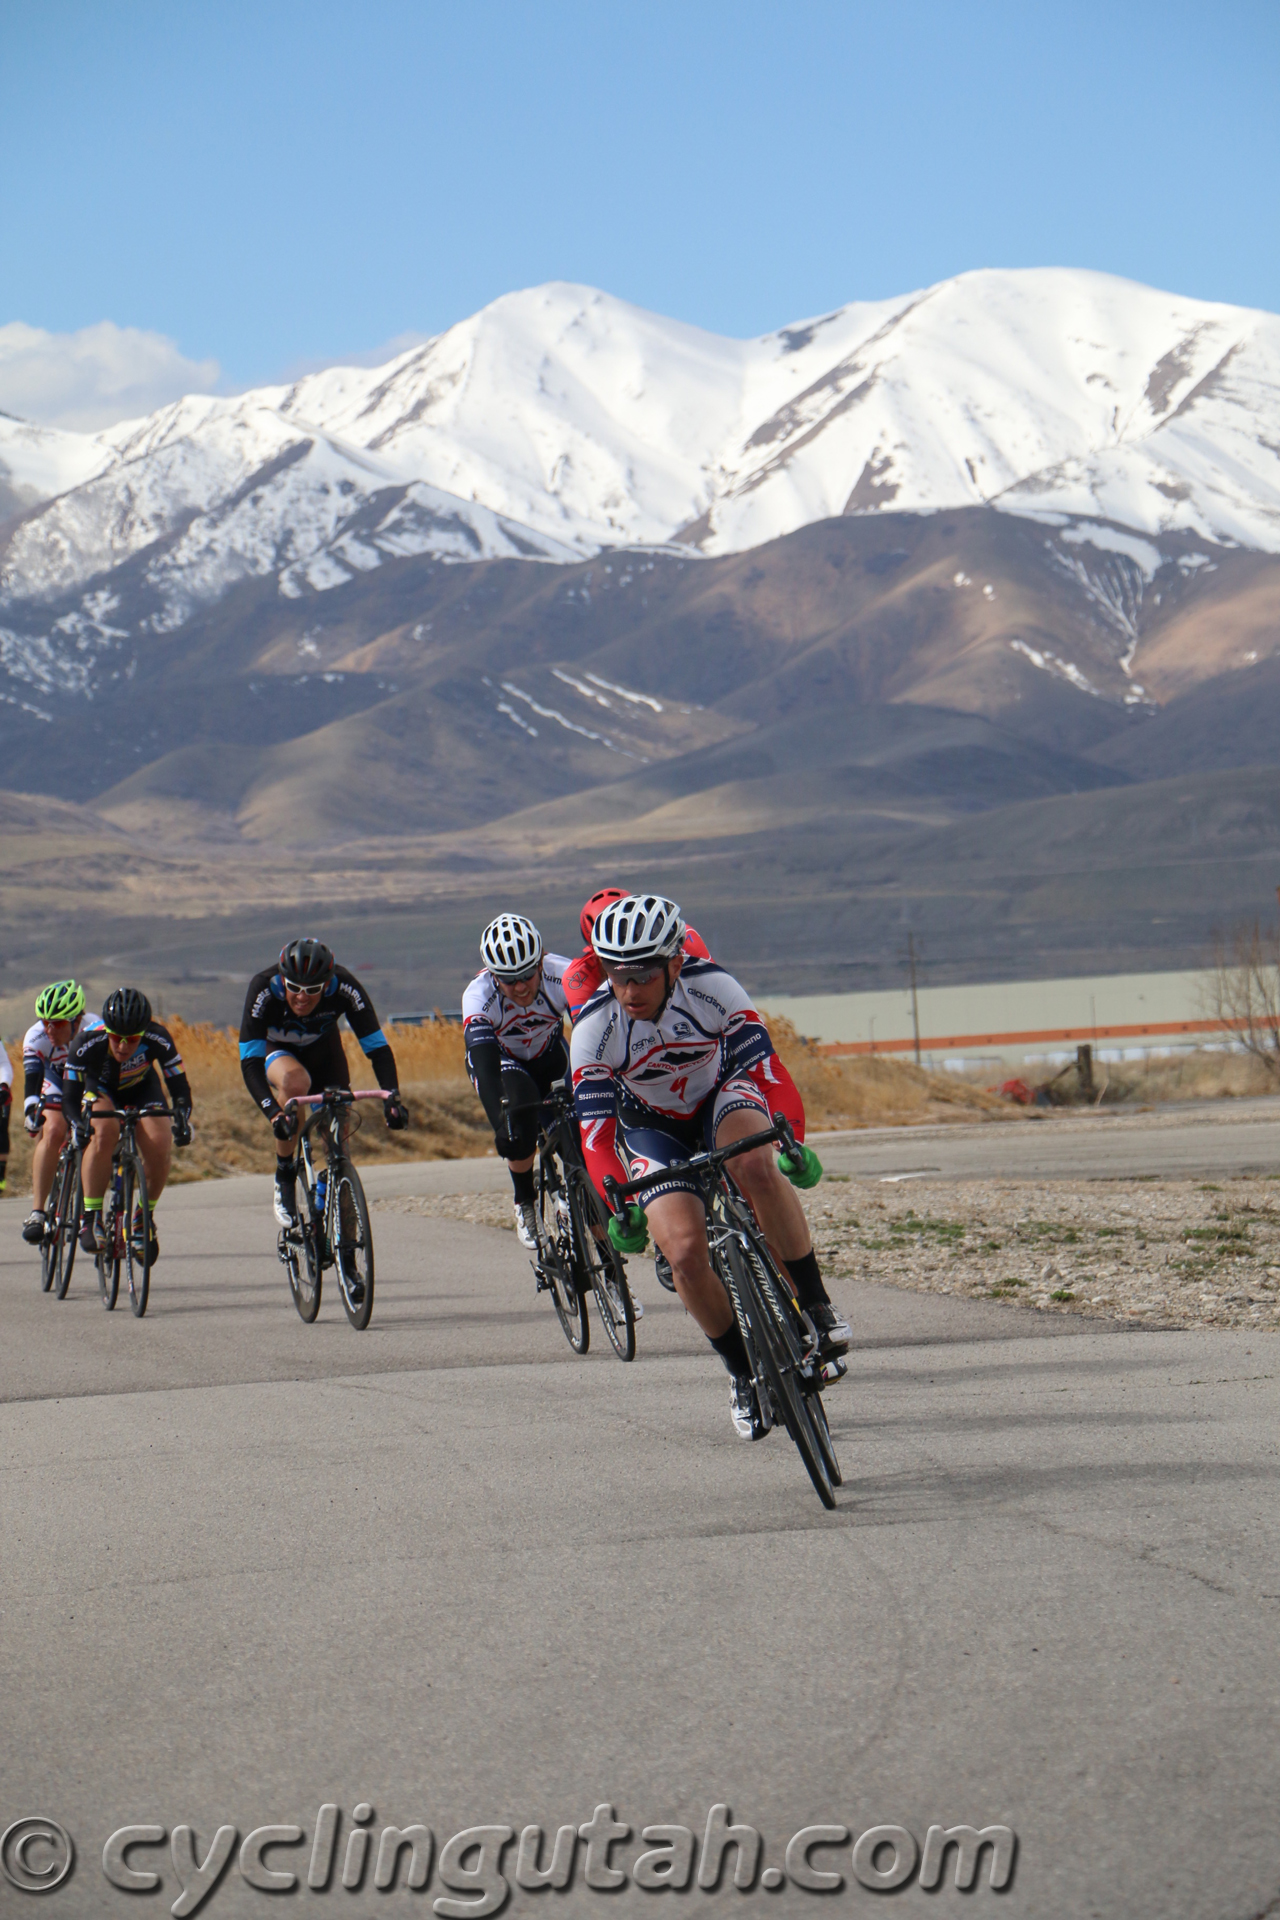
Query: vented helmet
[[641, 927], [596, 906], [64, 1000], [306, 965], [511, 947], [126, 1011]]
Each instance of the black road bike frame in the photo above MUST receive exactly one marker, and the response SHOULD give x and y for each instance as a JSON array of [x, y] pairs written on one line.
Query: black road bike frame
[[126, 1193], [575, 1259], [332, 1226], [781, 1340]]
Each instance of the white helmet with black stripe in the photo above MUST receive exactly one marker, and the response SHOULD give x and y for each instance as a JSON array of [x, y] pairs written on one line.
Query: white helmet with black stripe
[[511, 946], [642, 927]]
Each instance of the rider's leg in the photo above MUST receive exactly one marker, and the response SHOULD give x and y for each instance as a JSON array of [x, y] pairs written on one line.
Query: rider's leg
[[95, 1166], [44, 1160], [6, 1104], [288, 1079], [773, 1199], [678, 1222], [155, 1143], [782, 1221]]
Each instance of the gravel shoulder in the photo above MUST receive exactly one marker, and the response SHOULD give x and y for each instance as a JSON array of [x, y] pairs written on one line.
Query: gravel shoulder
[[1148, 1251]]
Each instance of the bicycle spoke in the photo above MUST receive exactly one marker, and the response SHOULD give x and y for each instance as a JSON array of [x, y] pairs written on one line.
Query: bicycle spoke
[[554, 1259]]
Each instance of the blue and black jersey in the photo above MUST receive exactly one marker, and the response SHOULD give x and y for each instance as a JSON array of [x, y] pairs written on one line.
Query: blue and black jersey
[[269, 1027]]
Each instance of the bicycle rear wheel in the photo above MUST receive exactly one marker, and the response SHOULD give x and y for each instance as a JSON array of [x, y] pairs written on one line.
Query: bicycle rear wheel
[[66, 1224], [137, 1253], [353, 1253], [777, 1351], [604, 1268]]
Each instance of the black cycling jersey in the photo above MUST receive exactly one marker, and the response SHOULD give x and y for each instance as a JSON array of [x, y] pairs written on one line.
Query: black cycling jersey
[[269, 1026], [91, 1066]]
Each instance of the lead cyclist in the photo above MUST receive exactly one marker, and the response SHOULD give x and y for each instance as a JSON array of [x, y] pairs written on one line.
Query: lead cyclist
[[668, 1058]]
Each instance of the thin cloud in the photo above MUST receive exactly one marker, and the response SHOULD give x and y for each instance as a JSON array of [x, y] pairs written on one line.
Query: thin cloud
[[96, 376]]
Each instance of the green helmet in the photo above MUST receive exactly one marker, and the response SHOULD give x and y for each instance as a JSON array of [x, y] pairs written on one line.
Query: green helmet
[[64, 1000]]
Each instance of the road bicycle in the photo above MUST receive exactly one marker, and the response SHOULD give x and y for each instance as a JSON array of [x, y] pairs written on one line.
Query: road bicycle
[[781, 1340], [331, 1227], [576, 1259], [126, 1211], [61, 1222]]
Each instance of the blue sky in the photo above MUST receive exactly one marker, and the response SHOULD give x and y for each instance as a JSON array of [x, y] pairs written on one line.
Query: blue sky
[[275, 185]]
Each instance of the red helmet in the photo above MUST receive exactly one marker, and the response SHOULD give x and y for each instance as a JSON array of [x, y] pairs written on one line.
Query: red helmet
[[596, 906]]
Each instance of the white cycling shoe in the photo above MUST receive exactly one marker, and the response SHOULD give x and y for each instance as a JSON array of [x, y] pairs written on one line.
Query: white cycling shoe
[[526, 1225], [281, 1197]]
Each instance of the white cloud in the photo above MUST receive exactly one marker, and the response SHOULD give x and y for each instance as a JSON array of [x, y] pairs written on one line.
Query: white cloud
[[92, 378]]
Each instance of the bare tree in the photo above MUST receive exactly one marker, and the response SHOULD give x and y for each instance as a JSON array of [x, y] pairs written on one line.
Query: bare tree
[[1243, 991]]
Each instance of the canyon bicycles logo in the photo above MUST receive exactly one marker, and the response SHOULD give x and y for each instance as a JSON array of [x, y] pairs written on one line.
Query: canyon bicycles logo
[[479, 1868]]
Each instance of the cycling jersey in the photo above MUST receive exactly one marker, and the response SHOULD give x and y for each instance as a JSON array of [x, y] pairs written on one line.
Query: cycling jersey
[[270, 1027], [6, 1067], [43, 1060], [522, 1032], [649, 1073], [92, 1067], [585, 975]]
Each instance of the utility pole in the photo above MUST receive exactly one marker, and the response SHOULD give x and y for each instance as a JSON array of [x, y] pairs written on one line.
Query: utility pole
[[915, 1005]]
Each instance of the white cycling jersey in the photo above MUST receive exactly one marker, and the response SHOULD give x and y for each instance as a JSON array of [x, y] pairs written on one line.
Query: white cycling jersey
[[43, 1059], [707, 1029], [523, 1032], [6, 1067]]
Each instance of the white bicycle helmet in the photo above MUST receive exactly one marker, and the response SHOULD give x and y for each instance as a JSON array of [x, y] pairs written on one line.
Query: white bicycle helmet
[[510, 946], [642, 927]]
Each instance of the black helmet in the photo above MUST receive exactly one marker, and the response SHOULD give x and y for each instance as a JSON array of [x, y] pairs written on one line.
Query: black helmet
[[126, 1011], [306, 965]]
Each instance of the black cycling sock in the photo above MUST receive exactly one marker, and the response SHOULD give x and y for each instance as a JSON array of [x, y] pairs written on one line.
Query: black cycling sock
[[286, 1170], [523, 1184], [731, 1350], [807, 1281]]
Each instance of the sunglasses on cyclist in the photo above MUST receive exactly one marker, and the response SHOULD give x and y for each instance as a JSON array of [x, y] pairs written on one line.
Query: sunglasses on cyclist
[[291, 986], [132, 1037], [634, 976], [520, 979]]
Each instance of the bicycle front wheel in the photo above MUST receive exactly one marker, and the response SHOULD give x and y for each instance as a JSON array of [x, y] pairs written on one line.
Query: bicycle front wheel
[[603, 1267], [353, 1243], [777, 1350], [66, 1222], [555, 1266], [136, 1223], [111, 1251], [50, 1245]]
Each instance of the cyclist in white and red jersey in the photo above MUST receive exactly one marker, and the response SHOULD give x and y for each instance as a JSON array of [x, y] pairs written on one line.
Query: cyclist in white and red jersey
[[60, 1022], [6, 1104], [668, 1059], [513, 1026]]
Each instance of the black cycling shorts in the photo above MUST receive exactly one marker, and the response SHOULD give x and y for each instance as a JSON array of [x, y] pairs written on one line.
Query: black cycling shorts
[[651, 1141], [143, 1093], [325, 1059], [526, 1083]]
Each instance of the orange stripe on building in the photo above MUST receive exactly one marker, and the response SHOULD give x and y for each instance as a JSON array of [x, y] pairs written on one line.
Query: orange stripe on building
[[953, 1042]]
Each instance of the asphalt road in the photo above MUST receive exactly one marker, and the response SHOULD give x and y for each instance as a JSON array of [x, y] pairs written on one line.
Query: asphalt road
[[448, 1572]]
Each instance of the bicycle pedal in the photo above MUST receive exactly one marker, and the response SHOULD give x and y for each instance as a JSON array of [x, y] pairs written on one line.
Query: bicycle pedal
[[832, 1370]]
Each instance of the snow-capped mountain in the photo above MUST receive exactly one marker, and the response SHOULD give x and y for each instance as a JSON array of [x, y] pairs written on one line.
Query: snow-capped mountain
[[558, 421]]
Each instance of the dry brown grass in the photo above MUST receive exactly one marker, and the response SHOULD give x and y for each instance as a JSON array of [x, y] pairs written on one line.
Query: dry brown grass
[[447, 1121], [871, 1091]]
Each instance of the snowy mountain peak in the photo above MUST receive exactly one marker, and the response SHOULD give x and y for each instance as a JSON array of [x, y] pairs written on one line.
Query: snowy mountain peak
[[559, 420]]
